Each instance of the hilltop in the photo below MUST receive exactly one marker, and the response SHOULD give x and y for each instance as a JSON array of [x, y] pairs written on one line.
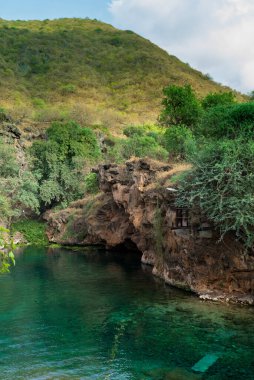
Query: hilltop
[[88, 71]]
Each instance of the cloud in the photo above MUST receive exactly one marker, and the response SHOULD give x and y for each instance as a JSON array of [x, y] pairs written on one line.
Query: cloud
[[215, 36]]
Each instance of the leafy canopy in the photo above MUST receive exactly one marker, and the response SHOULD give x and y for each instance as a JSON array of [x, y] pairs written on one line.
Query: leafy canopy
[[230, 121], [6, 251], [60, 159], [177, 140], [214, 99], [181, 106], [18, 186]]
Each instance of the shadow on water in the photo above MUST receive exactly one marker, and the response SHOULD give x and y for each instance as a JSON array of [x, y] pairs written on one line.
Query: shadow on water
[[96, 314]]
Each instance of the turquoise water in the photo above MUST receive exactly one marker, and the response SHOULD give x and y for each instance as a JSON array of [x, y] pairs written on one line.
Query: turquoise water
[[94, 315]]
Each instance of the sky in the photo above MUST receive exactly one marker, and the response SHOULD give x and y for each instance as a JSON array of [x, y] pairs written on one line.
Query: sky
[[214, 36]]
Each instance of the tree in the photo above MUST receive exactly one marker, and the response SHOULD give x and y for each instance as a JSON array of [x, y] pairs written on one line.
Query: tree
[[177, 140], [18, 187], [251, 95], [229, 121], [59, 162], [218, 99], [181, 106]]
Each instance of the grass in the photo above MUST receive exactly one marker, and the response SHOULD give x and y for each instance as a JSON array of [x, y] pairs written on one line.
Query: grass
[[33, 231], [87, 71]]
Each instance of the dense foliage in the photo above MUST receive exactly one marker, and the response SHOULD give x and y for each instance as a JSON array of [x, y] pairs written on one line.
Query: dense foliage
[[229, 121], [219, 142], [32, 230], [18, 186], [91, 183], [218, 99], [178, 140], [142, 141], [6, 251], [221, 150], [214, 133], [181, 106], [222, 185], [59, 162]]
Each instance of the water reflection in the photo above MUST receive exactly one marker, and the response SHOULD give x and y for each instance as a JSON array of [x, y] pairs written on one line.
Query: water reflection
[[92, 314]]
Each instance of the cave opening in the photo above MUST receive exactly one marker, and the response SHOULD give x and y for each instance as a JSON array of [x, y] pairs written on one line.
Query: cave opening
[[126, 253]]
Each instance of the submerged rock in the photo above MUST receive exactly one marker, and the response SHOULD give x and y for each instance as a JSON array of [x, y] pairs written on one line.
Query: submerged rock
[[205, 363]]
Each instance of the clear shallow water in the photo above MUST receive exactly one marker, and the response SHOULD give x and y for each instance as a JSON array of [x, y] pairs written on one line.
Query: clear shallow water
[[66, 315]]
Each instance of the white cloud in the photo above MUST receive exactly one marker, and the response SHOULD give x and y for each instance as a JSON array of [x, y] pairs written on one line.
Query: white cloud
[[215, 36]]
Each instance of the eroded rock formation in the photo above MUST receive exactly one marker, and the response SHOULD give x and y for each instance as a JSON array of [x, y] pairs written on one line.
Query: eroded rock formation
[[136, 204]]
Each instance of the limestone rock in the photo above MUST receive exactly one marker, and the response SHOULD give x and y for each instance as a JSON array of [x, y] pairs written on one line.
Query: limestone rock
[[135, 205]]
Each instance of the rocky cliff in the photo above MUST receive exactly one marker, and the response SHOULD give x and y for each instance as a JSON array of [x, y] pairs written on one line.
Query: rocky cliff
[[137, 204]]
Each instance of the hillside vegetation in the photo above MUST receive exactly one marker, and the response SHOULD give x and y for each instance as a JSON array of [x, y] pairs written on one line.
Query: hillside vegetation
[[75, 93], [87, 71]]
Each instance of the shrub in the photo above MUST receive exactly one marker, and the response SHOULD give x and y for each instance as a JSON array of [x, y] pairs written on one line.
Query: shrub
[[38, 103], [68, 89], [218, 99], [134, 130], [59, 161], [251, 95], [143, 146], [3, 115], [18, 188], [91, 183], [154, 131], [50, 114], [207, 76], [8, 163], [232, 121], [6, 210], [221, 183], [177, 140], [34, 231], [136, 146], [114, 151], [6, 251]]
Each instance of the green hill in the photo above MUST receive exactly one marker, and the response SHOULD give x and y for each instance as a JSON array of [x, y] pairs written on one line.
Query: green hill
[[86, 70]]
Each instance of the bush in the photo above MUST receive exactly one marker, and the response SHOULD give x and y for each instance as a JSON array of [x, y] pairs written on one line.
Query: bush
[[177, 140], [231, 121], [18, 188], [68, 89], [59, 162], [34, 231], [6, 210], [154, 131], [50, 114], [114, 151], [134, 131], [3, 115], [218, 99], [38, 103], [136, 146], [221, 183], [181, 106], [251, 95], [8, 163], [73, 140], [91, 183], [143, 146], [6, 251]]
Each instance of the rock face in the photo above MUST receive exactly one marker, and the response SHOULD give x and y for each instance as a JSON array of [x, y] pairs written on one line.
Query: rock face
[[136, 204]]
